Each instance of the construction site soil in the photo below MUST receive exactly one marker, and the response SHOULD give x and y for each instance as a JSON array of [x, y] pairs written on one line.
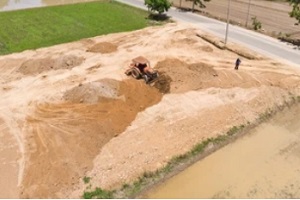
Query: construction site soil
[[69, 111]]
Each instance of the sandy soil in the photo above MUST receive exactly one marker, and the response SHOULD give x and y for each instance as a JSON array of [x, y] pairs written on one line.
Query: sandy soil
[[69, 111]]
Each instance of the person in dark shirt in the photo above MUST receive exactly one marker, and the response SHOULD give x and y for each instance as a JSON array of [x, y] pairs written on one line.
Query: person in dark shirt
[[237, 64]]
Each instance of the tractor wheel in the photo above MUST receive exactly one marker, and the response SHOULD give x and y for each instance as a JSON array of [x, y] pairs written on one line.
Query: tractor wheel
[[128, 72], [135, 73], [146, 79]]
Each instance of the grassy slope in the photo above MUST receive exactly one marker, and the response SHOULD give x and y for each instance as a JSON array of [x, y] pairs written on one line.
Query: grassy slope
[[41, 27]]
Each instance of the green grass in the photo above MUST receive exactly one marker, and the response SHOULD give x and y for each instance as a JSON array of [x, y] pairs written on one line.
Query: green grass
[[99, 194], [42, 27], [86, 179]]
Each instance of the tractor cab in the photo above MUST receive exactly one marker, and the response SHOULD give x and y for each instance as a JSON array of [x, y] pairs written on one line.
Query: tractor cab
[[140, 68]]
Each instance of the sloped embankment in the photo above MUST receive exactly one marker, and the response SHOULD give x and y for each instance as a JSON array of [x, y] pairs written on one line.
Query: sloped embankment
[[65, 137]]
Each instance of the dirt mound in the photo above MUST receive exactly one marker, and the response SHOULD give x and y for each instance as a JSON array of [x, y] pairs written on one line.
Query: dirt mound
[[67, 62], [37, 66], [103, 47], [163, 84], [185, 76], [55, 129], [93, 92], [182, 77], [202, 69]]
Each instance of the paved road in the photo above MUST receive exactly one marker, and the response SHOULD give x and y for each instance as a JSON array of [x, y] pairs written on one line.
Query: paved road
[[261, 43], [265, 11]]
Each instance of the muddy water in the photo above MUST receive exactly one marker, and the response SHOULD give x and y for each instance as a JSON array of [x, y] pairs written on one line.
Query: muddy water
[[6, 5], [263, 164]]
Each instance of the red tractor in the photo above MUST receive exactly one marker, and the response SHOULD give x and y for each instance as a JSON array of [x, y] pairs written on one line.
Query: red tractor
[[140, 68]]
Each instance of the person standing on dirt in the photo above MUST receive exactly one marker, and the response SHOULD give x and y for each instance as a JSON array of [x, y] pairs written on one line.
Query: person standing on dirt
[[237, 64]]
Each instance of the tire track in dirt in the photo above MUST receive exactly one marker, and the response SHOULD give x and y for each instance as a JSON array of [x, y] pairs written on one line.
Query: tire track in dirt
[[64, 138], [9, 162]]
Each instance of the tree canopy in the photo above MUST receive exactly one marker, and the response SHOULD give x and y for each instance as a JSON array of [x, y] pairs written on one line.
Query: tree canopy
[[296, 9], [159, 6]]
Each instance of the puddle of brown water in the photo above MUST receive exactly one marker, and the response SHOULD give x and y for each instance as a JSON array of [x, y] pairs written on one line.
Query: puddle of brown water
[[263, 164]]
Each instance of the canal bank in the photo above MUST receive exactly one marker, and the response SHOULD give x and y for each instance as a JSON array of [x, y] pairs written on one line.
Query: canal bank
[[262, 163]]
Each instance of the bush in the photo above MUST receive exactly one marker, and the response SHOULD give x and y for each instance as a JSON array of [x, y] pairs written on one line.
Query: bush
[[86, 179], [99, 194], [159, 6], [256, 24]]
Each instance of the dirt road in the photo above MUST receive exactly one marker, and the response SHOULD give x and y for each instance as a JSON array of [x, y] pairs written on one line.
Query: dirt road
[[70, 112]]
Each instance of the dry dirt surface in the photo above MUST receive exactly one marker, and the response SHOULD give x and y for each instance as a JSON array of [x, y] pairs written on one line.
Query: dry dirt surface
[[103, 47], [273, 15], [69, 111]]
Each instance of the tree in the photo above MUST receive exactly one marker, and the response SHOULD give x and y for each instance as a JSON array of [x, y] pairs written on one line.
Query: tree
[[198, 2], [159, 6], [296, 9], [256, 24]]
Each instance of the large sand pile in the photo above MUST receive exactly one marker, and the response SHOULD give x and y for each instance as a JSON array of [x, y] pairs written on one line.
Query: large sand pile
[[69, 111], [103, 47], [37, 66]]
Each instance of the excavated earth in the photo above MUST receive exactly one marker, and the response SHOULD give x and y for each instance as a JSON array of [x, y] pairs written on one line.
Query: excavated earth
[[69, 111]]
